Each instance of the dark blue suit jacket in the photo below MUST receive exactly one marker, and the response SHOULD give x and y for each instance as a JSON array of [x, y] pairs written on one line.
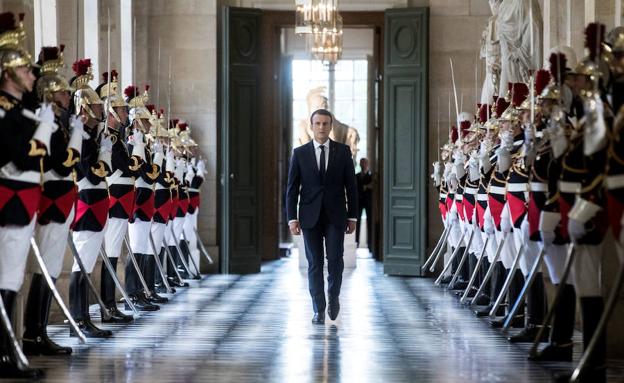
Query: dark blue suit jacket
[[337, 195]]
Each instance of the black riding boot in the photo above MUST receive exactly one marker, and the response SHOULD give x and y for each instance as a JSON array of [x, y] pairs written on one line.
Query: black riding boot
[[148, 266], [79, 307], [560, 347], [9, 367], [536, 310], [36, 340], [107, 288]]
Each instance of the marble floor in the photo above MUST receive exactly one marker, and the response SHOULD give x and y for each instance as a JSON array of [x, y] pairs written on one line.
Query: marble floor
[[256, 328]]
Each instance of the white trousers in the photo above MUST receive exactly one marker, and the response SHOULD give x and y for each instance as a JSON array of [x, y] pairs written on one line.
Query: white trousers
[[177, 224], [491, 247], [14, 246], [138, 233], [555, 257], [52, 242], [190, 225], [508, 252], [114, 234], [158, 234], [531, 248], [88, 244], [586, 270]]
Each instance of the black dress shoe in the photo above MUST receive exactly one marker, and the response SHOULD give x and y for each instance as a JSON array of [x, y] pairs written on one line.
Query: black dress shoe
[[90, 330], [528, 335], [141, 303], [42, 345], [177, 283], [554, 353], [163, 290], [10, 370], [482, 300], [155, 298], [446, 280], [318, 318], [592, 375], [117, 316], [517, 322], [334, 308]]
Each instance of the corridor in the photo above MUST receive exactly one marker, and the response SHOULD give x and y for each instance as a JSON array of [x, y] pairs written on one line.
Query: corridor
[[257, 328]]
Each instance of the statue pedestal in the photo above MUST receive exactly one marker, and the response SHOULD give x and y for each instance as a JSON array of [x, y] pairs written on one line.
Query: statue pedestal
[[349, 251]]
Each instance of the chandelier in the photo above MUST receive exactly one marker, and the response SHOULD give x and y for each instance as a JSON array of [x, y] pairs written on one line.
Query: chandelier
[[326, 45], [320, 21], [314, 16]]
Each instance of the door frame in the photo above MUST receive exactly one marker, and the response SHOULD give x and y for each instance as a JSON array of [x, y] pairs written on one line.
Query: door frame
[[271, 124]]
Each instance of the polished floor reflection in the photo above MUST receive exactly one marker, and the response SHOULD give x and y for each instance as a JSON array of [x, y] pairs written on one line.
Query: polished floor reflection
[[257, 328]]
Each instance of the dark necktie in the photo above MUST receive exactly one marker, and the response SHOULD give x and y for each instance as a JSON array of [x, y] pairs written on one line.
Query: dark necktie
[[322, 163]]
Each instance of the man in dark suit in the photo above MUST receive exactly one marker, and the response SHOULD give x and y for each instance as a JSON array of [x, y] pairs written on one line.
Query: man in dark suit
[[365, 201], [321, 180]]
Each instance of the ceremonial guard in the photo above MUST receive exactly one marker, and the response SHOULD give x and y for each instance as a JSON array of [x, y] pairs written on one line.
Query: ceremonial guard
[[125, 168], [143, 211], [23, 149], [92, 205], [56, 208]]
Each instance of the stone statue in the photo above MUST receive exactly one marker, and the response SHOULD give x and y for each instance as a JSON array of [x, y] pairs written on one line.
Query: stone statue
[[341, 132], [519, 29], [490, 52]]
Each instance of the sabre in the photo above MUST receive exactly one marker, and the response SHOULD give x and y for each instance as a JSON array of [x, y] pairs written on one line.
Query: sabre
[[525, 289], [454, 91], [551, 310], [604, 320], [473, 277], [507, 283], [148, 293], [106, 313], [202, 248], [435, 249], [450, 261], [490, 271], [438, 127], [190, 255], [462, 261], [55, 293], [113, 275], [182, 260], [160, 266], [107, 101], [22, 362]]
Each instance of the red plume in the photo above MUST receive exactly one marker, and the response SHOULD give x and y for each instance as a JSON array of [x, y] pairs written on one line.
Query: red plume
[[147, 87], [21, 16], [483, 113], [594, 36], [454, 134], [81, 67], [501, 106], [114, 75], [182, 126], [131, 91], [105, 76], [61, 48], [519, 93], [7, 22], [542, 78], [151, 107], [558, 62]]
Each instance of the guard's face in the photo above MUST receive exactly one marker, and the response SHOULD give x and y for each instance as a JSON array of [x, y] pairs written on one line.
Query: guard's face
[[98, 111], [122, 112], [25, 77], [321, 127], [62, 98]]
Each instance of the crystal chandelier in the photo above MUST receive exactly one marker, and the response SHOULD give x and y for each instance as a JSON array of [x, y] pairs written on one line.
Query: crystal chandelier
[[315, 16], [326, 45]]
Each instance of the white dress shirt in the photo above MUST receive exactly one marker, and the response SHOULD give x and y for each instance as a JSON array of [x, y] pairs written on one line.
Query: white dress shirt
[[317, 152]]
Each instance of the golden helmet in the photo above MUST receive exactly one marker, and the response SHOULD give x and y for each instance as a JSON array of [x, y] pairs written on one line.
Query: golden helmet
[[84, 95], [109, 90], [51, 81], [136, 101], [12, 54]]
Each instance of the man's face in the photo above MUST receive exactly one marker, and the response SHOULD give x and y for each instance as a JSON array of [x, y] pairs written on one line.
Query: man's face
[[98, 111], [26, 78], [122, 112], [62, 99], [364, 164], [321, 127]]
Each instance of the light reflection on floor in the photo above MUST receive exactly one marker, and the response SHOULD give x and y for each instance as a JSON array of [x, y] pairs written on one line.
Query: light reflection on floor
[[257, 328]]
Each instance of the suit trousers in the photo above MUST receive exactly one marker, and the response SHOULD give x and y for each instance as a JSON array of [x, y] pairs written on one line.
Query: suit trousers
[[333, 238]]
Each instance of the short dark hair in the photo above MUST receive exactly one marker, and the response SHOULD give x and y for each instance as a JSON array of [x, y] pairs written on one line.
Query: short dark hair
[[322, 112]]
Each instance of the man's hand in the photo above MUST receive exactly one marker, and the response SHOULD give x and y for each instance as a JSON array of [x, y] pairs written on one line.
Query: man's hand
[[294, 228], [350, 226]]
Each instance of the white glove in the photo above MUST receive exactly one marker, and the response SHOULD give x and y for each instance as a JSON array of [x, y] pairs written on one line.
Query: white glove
[[583, 210], [190, 173], [77, 133], [194, 161], [170, 166], [46, 125], [505, 220], [106, 151], [448, 167], [576, 229], [138, 145], [159, 156], [473, 168], [179, 169], [436, 176], [504, 159], [488, 222], [201, 168]]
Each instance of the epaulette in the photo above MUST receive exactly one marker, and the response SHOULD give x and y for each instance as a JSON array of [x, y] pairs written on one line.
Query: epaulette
[[6, 104]]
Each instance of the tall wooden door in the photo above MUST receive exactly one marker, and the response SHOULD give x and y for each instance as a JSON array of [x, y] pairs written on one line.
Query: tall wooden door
[[239, 120], [405, 140]]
